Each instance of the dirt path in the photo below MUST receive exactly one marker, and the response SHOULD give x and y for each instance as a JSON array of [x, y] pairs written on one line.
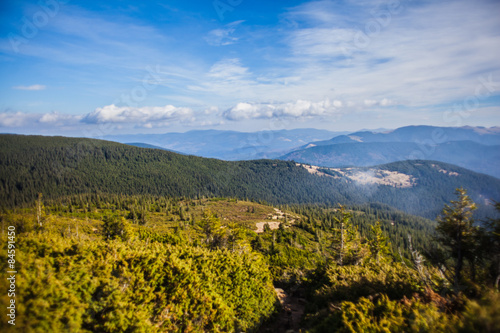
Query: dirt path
[[272, 226], [279, 215], [289, 318]]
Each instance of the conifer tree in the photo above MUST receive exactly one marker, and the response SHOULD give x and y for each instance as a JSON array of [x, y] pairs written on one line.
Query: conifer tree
[[491, 243], [456, 230], [40, 210], [116, 227], [211, 226], [378, 243], [346, 238]]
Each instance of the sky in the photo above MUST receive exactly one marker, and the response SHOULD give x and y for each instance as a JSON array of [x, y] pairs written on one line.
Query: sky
[[95, 68]]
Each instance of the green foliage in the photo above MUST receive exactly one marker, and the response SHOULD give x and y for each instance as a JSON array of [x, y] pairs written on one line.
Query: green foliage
[[146, 278], [396, 225], [385, 315], [456, 231], [218, 236], [371, 298], [94, 267], [116, 227], [383, 296], [59, 166], [482, 315], [427, 313], [74, 285], [346, 241], [378, 244], [491, 247], [354, 281]]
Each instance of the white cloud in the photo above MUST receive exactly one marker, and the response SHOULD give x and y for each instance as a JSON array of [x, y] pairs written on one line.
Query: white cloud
[[406, 60], [223, 36], [117, 116], [322, 42], [14, 119], [297, 109], [56, 118], [32, 87], [245, 111], [387, 102], [370, 102], [18, 119], [227, 81], [228, 69], [134, 115], [382, 102]]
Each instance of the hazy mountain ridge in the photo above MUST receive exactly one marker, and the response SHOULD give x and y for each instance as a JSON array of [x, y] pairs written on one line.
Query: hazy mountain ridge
[[229, 145], [420, 134], [474, 148]]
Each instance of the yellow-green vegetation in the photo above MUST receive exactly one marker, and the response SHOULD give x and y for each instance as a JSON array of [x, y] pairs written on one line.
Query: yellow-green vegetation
[[379, 292], [81, 274], [115, 263]]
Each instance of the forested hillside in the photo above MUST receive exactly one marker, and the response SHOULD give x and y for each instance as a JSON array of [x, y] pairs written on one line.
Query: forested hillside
[[60, 166], [429, 186], [57, 166]]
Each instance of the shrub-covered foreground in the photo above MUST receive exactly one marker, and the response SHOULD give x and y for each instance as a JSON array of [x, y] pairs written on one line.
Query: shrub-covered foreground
[[70, 285], [146, 264]]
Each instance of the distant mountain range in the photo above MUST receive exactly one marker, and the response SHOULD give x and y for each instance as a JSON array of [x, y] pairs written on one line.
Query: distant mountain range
[[59, 166], [425, 135], [474, 148], [229, 145]]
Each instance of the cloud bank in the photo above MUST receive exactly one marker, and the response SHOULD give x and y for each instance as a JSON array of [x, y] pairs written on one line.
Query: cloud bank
[[297, 109], [125, 114]]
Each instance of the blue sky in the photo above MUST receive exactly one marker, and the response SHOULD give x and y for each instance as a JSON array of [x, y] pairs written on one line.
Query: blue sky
[[91, 68]]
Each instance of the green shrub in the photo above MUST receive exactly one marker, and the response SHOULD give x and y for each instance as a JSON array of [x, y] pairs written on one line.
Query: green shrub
[[70, 285], [352, 282]]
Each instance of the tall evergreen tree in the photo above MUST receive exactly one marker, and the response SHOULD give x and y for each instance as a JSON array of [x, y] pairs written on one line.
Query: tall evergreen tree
[[492, 245], [456, 230], [378, 243], [345, 235]]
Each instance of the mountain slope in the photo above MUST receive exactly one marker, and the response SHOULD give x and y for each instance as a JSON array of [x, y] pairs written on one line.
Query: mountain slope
[[57, 166], [419, 187], [467, 154], [60, 166]]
